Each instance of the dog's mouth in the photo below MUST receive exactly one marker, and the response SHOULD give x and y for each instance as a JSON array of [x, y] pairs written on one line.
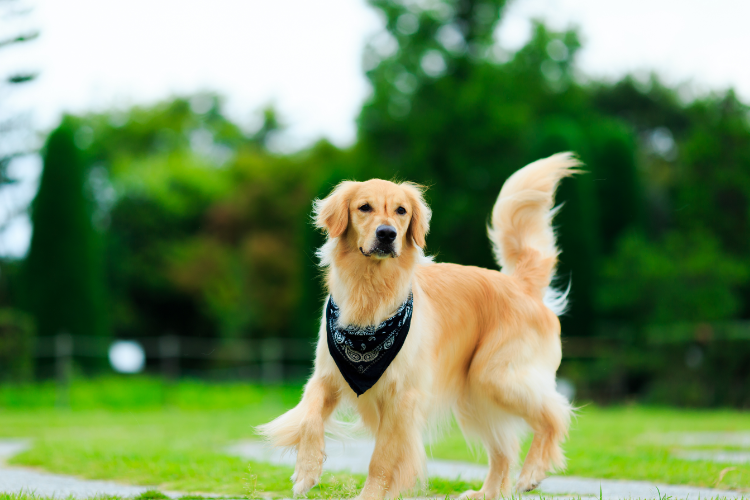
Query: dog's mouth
[[380, 252]]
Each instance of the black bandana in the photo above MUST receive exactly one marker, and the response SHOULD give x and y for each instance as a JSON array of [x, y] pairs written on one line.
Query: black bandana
[[363, 354]]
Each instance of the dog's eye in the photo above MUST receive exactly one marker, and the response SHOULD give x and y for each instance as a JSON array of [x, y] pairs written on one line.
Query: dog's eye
[[401, 210], [365, 208]]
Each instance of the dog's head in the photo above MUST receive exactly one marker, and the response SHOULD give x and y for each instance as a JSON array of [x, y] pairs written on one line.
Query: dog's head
[[379, 218]]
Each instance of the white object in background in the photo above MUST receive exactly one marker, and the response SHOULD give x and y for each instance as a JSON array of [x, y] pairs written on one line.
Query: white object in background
[[566, 388], [127, 356]]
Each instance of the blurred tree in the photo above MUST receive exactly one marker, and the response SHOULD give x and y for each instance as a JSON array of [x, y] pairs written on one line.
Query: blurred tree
[[204, 226], [447, 112], [269, 127], [712, 188], [16, 346], [158, 169], [683, 278], [695, 166], [64, 280]]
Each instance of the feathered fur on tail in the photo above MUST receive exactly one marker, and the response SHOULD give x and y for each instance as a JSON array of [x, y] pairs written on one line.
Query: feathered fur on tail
[[521, 230]]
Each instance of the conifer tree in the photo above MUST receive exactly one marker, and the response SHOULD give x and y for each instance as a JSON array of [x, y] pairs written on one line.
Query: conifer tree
[[64, 268]]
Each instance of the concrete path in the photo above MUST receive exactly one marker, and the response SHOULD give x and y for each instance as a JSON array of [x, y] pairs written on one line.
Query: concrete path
[[355, 456], [18, 479], [706, 440]]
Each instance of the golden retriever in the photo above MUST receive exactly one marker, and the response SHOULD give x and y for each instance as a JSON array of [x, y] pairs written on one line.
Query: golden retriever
[[483, 344]]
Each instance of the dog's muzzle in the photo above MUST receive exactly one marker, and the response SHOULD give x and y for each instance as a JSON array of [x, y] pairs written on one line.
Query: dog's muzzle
[[385, 235]]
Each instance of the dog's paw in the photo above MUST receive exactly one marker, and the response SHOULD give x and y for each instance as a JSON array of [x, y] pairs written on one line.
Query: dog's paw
[[526, 487], [303, 485], [526, 484], [531, 476], [307, 473], [480, 495]]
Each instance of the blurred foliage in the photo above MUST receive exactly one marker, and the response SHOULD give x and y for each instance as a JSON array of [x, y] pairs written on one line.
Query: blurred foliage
[[16, 346], [63, 280], [657, 232], [697, 374], [466, 128], [683, 277], [206, 231]]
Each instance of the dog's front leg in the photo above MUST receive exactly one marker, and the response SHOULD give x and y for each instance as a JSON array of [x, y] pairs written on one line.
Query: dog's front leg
[[303, 427], [399, 456], [318, 402]]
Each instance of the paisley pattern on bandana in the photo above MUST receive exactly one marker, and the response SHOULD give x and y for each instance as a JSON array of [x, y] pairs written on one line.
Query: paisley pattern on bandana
[[364, 353]]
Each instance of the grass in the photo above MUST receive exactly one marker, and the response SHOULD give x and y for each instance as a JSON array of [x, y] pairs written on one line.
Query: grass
[[144, 432], [141, 431], [627, 442], [178, 447], [156, 495]]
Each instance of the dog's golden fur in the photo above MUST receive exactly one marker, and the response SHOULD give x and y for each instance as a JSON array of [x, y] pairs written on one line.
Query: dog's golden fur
[[484, 344]]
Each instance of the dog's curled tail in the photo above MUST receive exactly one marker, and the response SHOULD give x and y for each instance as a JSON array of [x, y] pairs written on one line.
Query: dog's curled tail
[[521, 229]]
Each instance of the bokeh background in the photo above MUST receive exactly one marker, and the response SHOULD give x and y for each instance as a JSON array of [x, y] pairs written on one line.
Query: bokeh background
[[159, 162]]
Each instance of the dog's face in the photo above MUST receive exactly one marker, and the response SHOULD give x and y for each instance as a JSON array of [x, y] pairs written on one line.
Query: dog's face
[[379, 218]]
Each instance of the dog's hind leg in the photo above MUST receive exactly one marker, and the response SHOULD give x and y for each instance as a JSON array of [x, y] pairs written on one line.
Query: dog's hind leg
[[499, 433], [497, 482], [550, 424], [531, 395], [303, 428]]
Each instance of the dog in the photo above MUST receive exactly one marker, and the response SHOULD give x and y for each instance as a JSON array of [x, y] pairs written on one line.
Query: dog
[[481, 343]]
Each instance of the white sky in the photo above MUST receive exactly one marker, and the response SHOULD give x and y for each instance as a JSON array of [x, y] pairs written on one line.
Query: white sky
[[304, 57]]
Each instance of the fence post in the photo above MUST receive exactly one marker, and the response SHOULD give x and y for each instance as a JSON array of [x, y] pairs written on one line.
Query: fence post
[[169, 351], [271, 353], [63, 355]]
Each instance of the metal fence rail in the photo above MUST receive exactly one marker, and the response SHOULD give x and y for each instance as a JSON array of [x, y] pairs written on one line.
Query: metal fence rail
[[267, 357]]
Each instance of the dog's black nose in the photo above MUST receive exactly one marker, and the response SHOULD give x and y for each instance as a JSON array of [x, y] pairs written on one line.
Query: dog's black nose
[[385, 234]]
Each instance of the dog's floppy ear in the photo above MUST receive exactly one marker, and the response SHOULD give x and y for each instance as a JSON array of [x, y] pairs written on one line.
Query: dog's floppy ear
[[419, 225], [332, 212]]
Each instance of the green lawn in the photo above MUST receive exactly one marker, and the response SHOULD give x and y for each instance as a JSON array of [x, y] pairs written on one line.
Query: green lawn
[[133, 433], [143, 432], [629, 442]]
